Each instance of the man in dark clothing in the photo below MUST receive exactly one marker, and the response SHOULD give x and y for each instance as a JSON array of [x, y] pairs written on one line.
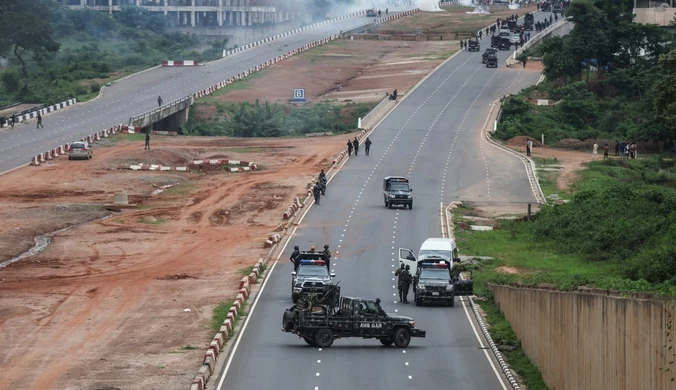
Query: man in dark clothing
[[147, 141], [387, 11], [379, 13], [294, 257], [400, 282], [326, 252], [368, 145], [405, 283], [462, 45], [12, 120], [317, 192], [606, 149], [159, 101], [355, 145], [322, 175], [524, 60], [349, 148], [617, 148], [39, 121]]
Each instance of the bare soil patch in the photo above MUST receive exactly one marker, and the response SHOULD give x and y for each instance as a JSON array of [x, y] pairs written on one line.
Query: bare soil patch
[[103, 305]]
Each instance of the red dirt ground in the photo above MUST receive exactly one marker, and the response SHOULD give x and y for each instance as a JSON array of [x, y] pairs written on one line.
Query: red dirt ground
[[104, 304]]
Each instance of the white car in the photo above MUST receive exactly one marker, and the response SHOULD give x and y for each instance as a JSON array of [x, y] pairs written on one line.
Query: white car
[[515, 39]]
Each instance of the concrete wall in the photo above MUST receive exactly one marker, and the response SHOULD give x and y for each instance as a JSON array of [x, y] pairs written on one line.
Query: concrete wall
[[584, 340], [241, 35], [652, 16]]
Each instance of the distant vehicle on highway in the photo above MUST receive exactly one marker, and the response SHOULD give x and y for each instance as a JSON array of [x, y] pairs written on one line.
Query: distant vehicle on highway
[[371, 13], [515, 38], [504, 44], [396, 191], [312, 276], [474, 45], [504, 32], [489, 51], [80, 150]]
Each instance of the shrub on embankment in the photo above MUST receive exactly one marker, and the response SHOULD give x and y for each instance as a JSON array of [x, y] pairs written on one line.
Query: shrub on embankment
[[623, 212], [272, 119]]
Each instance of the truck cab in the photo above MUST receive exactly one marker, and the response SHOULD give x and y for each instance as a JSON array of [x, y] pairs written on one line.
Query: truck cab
[[312, 276], [489, 52], [396, 191], [371, 13], [504, 44], [433, 282], [492, 60]]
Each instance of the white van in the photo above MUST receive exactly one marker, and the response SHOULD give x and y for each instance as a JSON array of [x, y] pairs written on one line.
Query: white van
[[443, 248]]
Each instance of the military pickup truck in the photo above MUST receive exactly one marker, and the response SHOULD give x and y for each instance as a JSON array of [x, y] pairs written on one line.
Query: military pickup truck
[[371, 13], [396, 191], [473, 45], [504, 44], [489, 52], [312, 275], [320, 325], [492, 60]]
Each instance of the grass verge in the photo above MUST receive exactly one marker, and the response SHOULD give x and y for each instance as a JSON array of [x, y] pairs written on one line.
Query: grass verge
[[180, 189], [220, 314]]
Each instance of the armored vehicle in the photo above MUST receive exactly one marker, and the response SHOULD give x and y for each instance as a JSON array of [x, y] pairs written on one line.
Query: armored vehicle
[[319, 325], [492, 61], [528, 22], [495, 39], [546, 6], [473, 45], [489, 51], [504, 44], [312, 276], [396, 191]]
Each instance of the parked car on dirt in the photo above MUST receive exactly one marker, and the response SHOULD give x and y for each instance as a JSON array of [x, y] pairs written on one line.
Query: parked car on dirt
[[80, 150]]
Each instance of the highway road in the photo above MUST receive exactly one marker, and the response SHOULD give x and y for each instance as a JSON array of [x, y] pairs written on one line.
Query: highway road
[[138, 94], [433, 138]]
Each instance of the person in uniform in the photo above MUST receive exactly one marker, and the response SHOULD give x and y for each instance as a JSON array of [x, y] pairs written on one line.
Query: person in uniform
[[408, 279], [349, 148], [294, 257], [317, 192], [312, 249], [326, 251], [400, 281], [368, 145], [355, 145], [322, 175]]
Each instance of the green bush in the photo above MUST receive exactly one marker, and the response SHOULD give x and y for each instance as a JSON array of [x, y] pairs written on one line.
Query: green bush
[[624, 212]]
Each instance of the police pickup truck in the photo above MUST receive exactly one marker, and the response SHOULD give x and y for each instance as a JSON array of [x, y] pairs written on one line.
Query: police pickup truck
[[489, 52], [396, 191], [312, 276], [320, 325]]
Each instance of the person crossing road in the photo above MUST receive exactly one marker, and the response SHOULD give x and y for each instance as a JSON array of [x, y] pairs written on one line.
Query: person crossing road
[[355, 145], [367, 145]]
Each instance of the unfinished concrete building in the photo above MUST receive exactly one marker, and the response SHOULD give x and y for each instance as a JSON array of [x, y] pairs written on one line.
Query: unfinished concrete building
[[206, 13]]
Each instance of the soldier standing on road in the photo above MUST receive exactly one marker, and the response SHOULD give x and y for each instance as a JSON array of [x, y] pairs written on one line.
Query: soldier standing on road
[[349, 148], [408, 279], [317, 191], [524, 60], [355, 145], [159, 101], [326, 251], [462, 45], [400, 282], [147, 141], [294, 256], [39, 121], [368, 145]]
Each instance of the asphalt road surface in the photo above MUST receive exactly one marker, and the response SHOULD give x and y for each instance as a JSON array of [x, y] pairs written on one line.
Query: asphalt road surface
[[433, 138], [138, 94]]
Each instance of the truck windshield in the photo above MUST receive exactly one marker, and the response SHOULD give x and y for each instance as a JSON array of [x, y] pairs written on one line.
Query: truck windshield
[[426, 253], [399, 187], [435, 273], [313, 270]]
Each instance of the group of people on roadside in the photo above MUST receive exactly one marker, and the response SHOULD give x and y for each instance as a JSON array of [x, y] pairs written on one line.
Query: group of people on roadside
[[625, 149]]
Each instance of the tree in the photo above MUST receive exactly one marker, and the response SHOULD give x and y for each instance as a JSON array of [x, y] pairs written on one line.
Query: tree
[[664, 95], [589, 39], [557, 60], [26, 27]]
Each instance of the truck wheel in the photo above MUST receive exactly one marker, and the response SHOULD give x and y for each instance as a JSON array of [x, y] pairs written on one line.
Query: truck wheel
[[386, 341], [309, 341], [410, 206], [402, 338], [324, 338]]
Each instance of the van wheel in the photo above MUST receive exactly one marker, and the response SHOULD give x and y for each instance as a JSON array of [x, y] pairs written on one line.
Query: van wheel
[[324, 338], [402, 338]]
